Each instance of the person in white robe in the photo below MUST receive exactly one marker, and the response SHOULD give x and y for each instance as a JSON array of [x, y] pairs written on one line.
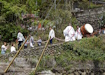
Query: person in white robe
[[13, 49], [51, 35], [20, 38], [78, 34], [4, 48], [31, 42], [69, 33]]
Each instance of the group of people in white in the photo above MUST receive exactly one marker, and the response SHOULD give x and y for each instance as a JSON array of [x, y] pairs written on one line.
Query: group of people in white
[[4, 47], [20, 39], [70, 34]]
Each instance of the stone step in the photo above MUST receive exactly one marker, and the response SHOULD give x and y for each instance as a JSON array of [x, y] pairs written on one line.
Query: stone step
[[46, 73], [18, 59], [20, 62], [3, 66]]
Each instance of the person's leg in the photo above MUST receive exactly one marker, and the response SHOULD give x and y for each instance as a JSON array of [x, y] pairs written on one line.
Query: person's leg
[[51, 41], [19, 44], [25, 47], [2, 52]]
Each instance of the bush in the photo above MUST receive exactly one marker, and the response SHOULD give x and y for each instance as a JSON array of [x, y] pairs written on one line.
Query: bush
[[85, 4], [9, 32], [85, 49]]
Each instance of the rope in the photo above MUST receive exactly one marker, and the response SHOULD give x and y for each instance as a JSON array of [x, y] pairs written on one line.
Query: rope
[[59, 39]]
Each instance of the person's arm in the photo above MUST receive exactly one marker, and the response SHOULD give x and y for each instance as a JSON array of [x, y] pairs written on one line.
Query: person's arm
[[18, 36], [6, 47], [50, 34]]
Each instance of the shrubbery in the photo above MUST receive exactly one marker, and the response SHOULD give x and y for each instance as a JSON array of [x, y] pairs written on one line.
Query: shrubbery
[[9, 32]]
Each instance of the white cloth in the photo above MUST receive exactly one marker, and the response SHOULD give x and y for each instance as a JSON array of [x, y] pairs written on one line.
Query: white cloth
[[51, 34], [20, 37], [103, 31], [13, 49], [26, 43], [31, 44], [39, 42], [3, 48], [78, 34], [31, 41], [69, 33]]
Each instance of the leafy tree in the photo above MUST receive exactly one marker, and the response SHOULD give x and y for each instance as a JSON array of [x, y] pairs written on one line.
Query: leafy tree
[[9, 18]]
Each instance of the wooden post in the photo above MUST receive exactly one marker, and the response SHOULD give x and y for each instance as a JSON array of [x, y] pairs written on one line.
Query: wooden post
[[16, 54], [41, 56]]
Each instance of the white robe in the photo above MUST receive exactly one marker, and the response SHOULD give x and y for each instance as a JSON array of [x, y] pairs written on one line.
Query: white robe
[[3, 48], [31, 41], [51, 34], [69, 33], [13, 49], [20, 37], [78, 34]]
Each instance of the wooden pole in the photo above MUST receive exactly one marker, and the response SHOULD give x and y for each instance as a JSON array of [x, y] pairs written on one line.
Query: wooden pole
[[16, 54], [41, 56]]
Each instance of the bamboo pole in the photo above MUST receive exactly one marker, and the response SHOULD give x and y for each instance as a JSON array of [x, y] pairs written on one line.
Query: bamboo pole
[[16, 54], [41, 56]]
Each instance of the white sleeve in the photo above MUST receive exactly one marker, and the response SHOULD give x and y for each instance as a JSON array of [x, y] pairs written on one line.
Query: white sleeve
[[53, 34], [18, 36], [50, 34]]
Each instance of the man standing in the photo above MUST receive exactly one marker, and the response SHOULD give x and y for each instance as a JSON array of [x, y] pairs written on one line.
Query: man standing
[[51, 35], [20, 38], [69, 33], [78, 34]]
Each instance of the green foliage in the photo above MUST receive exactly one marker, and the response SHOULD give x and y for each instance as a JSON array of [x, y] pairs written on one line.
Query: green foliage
[[44, 8], [9, 17], [94, 6], [9, 32], [91, 43], [60, 16], [86, 49], [85, 4], [31, 5], [103, 19]]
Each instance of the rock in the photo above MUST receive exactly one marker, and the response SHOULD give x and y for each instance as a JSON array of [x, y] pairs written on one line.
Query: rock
[[21, 62], [3, 66], [76, 73], [58, 74], [46, 73], [92, 73], [71, 74], [58, 70], [104, 73], [83, 73], [33, 62], [51, 62]]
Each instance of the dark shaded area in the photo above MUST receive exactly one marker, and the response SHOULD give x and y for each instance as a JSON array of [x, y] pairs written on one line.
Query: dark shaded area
[[96, 69]]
